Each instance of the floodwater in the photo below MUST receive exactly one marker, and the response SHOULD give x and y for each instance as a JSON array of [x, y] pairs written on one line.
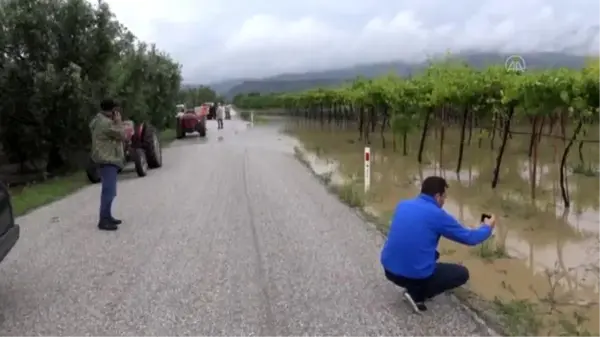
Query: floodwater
[[542, 264]]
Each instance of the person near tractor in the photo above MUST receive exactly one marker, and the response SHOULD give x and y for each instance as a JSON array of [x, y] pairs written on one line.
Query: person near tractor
[[220, 115], [212, 111], [409, 255], [108, 134]]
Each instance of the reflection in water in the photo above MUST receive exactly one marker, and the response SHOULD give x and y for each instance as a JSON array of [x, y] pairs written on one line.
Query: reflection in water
[[553, 249], [464, 177]]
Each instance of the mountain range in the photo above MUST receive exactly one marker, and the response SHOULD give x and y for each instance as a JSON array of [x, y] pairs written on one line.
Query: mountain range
[[334, 77]]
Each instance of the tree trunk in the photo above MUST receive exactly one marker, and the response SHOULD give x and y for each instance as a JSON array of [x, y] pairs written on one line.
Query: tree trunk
[[563, 163], [424, 135], [506, 130]]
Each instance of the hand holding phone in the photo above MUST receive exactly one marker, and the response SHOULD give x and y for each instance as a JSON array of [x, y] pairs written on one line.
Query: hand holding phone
[[488, 219], [117, 116]]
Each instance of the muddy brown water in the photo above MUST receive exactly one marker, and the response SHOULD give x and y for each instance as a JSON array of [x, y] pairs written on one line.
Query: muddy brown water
[[541, 267]]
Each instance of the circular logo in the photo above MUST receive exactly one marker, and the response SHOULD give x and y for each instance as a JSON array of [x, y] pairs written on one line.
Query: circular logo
[[515, 63]]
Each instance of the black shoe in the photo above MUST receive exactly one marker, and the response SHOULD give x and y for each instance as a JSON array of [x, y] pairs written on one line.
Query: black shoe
[[107, 225], [115, 221]]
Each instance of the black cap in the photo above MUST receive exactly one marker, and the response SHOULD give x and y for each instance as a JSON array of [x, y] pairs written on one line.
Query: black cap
[[108, 104]]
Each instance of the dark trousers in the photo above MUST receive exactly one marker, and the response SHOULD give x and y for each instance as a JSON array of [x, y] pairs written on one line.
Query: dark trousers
[[220, 123], [108, 173], [446, 276]]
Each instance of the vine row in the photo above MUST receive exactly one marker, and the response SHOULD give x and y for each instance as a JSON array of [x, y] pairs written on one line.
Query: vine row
[[449, 92]]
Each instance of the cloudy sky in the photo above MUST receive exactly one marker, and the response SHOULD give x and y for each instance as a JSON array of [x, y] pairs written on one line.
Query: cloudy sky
[[221, 39]]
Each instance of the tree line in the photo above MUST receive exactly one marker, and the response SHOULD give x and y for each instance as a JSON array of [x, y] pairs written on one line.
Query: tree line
[[256, 100], [449, 92], [58, 59], [196, 96]]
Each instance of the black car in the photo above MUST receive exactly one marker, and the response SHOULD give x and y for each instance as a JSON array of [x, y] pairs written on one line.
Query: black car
[[9, 231]]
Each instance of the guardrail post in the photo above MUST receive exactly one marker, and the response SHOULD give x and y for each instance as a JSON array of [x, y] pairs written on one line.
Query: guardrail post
[[367, 158]]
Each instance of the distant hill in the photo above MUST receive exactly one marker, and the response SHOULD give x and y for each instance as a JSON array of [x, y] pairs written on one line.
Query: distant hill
[[304, 81], [223, 87]]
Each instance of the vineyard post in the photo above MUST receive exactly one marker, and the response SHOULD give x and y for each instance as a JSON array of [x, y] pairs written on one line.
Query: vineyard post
[[367, 158]]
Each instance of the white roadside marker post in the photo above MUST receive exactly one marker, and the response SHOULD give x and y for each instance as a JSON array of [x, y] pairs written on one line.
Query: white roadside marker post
[[367, 169], [251, 118]]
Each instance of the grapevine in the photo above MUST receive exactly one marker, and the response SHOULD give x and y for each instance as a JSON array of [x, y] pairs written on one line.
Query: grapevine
[[450, 92]]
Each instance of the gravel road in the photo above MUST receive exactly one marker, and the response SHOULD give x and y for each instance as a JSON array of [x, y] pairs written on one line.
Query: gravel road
[[230, 237]]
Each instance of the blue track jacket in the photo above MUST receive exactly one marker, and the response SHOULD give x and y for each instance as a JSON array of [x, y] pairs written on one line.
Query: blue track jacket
[[411, 245]]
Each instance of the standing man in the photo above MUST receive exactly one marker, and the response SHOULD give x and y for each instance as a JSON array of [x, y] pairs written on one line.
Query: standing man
[[409, 256], [220, 115], [108, 133]]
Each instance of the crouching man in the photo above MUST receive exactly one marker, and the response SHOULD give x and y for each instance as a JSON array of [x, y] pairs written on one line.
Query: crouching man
[[409, 256], [108, 133]]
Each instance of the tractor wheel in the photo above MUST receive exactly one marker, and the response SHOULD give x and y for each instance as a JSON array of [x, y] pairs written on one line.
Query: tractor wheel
[[179, 130], [140, 162], [92, 172], [152, 148], [201, 129]]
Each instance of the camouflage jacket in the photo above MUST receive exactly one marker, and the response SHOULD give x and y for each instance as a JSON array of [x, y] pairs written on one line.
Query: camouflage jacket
[[107, 141]]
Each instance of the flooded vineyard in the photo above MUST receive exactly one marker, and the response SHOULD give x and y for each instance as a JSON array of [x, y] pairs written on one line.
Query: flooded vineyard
[[509, 143], [541, 267]]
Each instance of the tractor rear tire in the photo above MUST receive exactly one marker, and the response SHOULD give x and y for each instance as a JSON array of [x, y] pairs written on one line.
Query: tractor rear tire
[[179, 130], [140, 162], [92, 172], [201, 129], [151, 146]]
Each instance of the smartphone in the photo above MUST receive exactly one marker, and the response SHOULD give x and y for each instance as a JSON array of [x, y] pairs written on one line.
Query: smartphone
[[484, 216]]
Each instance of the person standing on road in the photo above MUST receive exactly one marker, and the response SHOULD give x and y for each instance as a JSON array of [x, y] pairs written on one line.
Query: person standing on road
[[108, 133], [212, 111], [220, 115], [409, 255]]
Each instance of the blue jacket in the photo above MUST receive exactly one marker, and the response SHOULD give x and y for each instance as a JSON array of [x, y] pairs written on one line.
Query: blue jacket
[[411, 245]]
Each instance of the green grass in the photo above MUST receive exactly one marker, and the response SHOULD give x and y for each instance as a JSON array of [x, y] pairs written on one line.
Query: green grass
[[491, 250], [519, 317], [29, 197], [167, 136], [351, 194]]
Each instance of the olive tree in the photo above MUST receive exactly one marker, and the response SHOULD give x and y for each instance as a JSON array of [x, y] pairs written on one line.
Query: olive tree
[[58, 58]]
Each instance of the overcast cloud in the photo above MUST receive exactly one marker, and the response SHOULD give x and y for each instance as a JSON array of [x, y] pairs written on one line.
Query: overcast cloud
[[221, 39]]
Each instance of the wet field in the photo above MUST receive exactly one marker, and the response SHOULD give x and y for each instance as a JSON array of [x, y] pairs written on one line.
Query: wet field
[[541, 268]]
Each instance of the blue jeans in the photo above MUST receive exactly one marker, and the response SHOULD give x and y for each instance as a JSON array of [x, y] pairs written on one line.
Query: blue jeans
[[446, 276], [108, 173]]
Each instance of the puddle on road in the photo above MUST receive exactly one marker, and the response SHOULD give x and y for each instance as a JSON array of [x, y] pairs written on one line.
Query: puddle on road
[[543, 261]]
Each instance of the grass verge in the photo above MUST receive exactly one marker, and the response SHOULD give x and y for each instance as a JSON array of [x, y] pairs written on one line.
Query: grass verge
[[34, 195], [167, 136]]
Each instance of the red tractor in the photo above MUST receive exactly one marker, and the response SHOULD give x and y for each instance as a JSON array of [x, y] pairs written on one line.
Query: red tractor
[[191, 120], [142, 147]]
